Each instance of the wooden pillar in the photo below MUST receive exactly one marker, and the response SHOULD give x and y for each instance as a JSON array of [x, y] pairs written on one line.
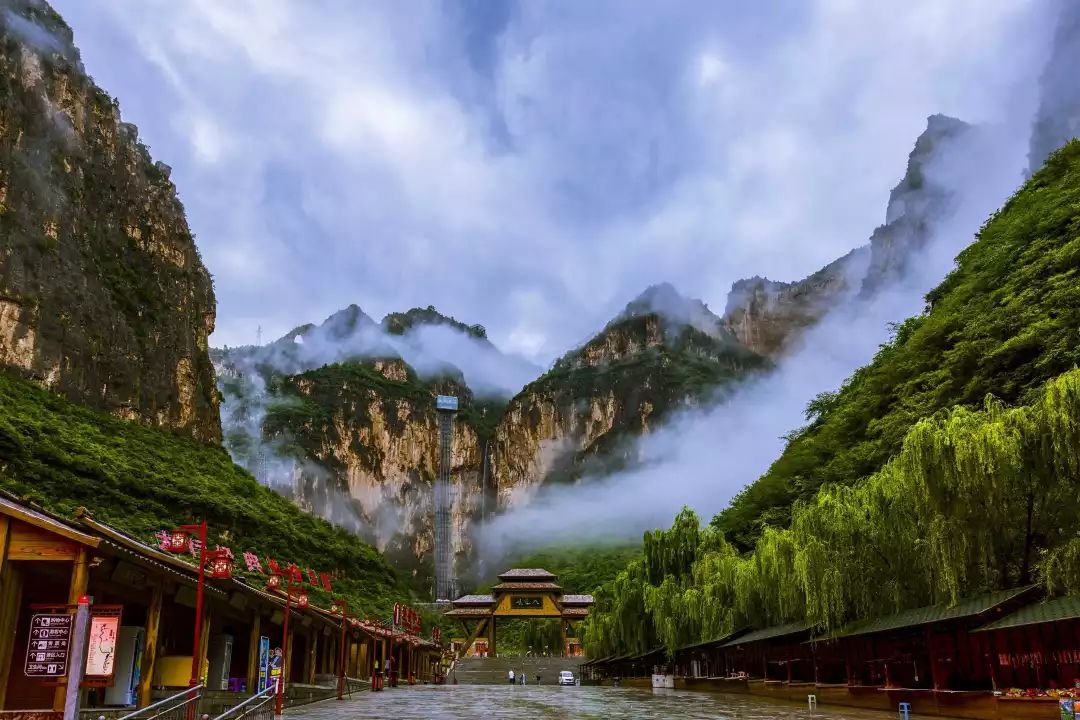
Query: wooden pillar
[[491, 638], [204, 642], [80, 577], [286, 668], [933, 650], [253, 653], [10, 599], [150, 645], [310, 667], [562, 637]]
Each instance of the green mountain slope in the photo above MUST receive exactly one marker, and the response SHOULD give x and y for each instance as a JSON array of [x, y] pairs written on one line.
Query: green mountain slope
[[1003, 322], [948, 466], [142, 479]]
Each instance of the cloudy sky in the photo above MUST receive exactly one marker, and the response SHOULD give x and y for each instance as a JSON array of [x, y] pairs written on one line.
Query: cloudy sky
[[532, 166]]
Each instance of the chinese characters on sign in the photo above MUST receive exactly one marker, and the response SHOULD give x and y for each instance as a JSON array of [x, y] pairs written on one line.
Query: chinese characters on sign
[[101, 646], [47, 649]]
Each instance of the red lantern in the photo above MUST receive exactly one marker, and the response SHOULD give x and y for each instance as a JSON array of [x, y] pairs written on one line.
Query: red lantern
[[302, 600], [273, 582], [179, 541], [221, 568]]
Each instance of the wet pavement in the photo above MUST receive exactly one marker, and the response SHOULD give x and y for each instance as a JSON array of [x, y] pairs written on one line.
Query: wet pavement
[[495, 702]]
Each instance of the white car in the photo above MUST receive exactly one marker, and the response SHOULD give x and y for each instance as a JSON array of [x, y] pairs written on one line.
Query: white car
[[566, 678]]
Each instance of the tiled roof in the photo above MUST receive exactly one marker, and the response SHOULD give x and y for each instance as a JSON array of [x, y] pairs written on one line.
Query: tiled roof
[[474, 600], [966, 608], [714, 641], [1062, 608], [776, 631], [468, 612], [576, 599], [575, 612], [526, 574], [516, 585]]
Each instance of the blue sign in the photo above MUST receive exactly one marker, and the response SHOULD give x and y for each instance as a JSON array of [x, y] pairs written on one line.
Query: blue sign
[[445, 402], [264, 662]]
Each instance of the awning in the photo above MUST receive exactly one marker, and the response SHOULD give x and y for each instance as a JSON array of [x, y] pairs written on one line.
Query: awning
[[1062, 608], [931, 614], [776, 631]]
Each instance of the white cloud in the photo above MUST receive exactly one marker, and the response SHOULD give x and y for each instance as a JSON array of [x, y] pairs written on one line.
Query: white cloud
[[331, 152]]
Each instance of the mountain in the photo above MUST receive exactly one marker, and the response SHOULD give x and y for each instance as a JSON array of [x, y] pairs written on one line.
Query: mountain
[[663, 352], [1001, 324], [103, 296], [341, 418], [1058, 118], [769, 317], [945, 467], [107, 392]]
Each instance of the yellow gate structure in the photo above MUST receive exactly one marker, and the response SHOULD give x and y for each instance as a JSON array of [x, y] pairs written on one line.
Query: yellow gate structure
[[521, 593]]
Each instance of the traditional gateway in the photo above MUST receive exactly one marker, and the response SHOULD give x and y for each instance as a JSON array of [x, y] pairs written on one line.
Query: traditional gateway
[[521, 593], [1005, 654], [48, 563]]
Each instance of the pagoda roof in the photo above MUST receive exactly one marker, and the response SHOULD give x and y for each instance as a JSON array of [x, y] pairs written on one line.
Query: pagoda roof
[[468, 612], [577, 600], [518, 585], [527, 574], [475, 600], [575, 612]]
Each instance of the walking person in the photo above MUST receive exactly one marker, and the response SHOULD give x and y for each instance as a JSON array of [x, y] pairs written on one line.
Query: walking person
[[524, 681], [511, 676]]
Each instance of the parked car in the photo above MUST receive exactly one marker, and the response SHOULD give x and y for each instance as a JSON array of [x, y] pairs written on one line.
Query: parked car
[[566, 678]]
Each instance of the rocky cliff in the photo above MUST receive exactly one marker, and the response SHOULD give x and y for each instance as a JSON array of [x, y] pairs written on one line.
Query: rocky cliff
[[334, 417], [769, 317], [103, 296], [662, 353], [1058, 118]]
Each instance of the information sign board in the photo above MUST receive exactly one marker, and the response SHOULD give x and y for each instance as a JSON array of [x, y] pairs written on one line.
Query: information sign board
[[47, 648], [101, 646]]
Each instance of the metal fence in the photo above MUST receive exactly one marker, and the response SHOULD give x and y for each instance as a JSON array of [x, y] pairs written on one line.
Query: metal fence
[[259, 706], [181, 706]]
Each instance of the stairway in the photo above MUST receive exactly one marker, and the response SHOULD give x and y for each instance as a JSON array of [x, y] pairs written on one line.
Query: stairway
[[492, 671]]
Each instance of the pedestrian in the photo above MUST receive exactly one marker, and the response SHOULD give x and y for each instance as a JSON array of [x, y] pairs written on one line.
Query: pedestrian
[[537, 678], [511, 676], [524, 681]]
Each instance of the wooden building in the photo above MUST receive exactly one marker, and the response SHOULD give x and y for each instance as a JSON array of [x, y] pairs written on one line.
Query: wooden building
[[1004, 654], [52, 561], [520, 593]]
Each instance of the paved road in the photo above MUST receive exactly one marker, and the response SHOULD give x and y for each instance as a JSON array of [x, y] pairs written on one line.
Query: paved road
[[549, 702]]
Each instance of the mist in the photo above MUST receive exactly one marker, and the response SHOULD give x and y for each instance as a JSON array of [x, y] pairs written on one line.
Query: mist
[[702, 458]]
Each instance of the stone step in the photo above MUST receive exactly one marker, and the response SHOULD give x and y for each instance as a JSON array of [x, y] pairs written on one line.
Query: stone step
[[493, 671]]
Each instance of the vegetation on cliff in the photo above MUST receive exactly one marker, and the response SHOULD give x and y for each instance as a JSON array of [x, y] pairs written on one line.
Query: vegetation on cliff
[[1005, 321], [103, 295], [142, 480], [947, 466]]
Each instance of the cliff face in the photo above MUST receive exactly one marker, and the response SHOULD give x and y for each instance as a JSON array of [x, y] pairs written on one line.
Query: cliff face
[[331, 417], [103, 296], [769, 317], [1058, 118], [662, 353]]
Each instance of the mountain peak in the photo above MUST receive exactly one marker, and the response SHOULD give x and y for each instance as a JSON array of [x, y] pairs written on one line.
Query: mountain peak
[[675, 308], [401, 323]]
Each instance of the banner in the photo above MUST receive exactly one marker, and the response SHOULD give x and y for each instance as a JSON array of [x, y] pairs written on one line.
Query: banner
[[101, 646], [264, 663]]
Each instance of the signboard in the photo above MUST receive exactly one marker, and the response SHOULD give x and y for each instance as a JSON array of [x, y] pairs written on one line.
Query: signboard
[[264, 663], [275, 665], [47, 649], [101, 646], [446, 402]]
